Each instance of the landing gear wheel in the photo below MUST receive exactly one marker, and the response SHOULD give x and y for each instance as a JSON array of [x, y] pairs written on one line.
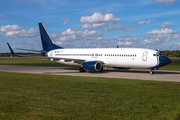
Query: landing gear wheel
[[101, 69], [151, 72], [81, 70]]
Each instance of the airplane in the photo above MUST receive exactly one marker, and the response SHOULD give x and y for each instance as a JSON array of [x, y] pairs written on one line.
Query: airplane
[[95, 59]]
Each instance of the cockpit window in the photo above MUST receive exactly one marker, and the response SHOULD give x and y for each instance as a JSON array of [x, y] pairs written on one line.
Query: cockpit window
[[161, 54], [158, 54]]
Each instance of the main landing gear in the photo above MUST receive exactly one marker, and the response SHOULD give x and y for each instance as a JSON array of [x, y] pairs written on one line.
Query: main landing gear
[[101, 69], [81, 70], [151, 71]]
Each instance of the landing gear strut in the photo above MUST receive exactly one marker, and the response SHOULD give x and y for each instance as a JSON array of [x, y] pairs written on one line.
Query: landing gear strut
[[101, 69], [81, 70]]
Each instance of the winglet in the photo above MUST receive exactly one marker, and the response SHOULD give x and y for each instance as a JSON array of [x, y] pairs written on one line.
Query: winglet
[[12, 52]]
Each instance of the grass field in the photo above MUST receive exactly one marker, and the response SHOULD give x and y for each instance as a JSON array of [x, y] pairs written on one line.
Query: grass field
[[31, 61], [32, 96], [27, 61]]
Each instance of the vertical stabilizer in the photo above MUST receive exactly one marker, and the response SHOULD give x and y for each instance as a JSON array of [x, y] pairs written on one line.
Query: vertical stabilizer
[[47, 43]]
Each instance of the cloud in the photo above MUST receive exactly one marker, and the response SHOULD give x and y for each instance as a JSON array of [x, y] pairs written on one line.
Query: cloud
[[23, 33], [104, 11], [93, 43], [159, 39], [93, 26], [71, 35], [10, 28], [2, 18], [126, 35], [144, 22], [125, 43], [16, 31], [64, 20], [162, 31], [114, 27], [130, 39], [171, 46], [85, 33], [35, 4], [177, 36], [99, 18], [99, 38], [165, 1], [167, 24]]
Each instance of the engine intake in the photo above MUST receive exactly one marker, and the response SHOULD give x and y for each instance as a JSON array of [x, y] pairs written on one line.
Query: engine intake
[[92, 65]]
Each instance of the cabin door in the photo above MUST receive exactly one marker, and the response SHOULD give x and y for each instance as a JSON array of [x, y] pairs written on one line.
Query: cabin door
[[144, 57]]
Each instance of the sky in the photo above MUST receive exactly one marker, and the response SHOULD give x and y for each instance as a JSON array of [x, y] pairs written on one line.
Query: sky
[[153, 24]]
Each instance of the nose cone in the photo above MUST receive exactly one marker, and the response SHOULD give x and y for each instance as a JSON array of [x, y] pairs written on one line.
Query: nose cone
[[163, 60]]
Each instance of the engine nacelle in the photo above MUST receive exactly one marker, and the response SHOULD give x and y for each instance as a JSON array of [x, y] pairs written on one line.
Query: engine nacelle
[[92, 65]]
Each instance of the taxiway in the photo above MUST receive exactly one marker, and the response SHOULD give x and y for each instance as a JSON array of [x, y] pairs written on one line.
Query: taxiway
[[160, 75]]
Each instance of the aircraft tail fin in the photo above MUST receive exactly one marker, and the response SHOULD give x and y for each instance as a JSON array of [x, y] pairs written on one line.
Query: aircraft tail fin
[[47, 43]]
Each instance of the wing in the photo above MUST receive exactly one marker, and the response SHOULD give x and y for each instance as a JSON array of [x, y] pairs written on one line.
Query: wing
[[79, 61], [32, 50], [14, 54]]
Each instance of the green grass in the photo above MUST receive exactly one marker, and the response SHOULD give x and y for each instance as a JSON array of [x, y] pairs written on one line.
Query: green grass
[[31, 61], [174, 65], [32, 96]]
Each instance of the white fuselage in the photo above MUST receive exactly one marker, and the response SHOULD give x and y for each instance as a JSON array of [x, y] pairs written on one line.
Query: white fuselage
[[114, 57]]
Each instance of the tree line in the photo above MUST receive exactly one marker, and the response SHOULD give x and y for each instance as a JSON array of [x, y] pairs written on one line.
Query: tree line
[[173, 53]]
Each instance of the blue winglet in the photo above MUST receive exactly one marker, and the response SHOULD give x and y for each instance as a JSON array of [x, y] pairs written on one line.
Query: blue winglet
[[12, 52]]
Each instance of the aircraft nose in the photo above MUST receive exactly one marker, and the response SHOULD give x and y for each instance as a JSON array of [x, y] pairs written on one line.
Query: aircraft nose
[[163, 60]]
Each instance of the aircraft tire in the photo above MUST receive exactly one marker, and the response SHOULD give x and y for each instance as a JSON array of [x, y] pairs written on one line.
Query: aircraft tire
[[151, 72], [101, 69], [81, 70]]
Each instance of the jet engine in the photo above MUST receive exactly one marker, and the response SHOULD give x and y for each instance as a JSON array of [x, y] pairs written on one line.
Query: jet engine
[[92, 65]]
